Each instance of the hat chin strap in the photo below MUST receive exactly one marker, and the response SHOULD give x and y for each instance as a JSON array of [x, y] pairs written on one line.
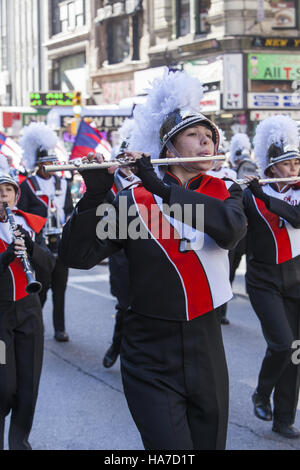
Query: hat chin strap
[[187, 166]]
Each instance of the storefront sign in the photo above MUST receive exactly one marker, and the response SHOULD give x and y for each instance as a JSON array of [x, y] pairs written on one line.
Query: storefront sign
[[261, 115], [279, 43], [198, 46], [103, 123], [274, 100], [274, 66], [206, 72], [211, 102], [233, 81]]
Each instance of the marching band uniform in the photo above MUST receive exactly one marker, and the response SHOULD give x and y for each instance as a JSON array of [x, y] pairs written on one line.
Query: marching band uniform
[[172, 356], [21, 326], [48, 196], [273, 273]]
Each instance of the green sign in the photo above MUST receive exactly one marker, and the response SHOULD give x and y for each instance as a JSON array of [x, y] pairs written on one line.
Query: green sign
[[51, 99], [274, 67]]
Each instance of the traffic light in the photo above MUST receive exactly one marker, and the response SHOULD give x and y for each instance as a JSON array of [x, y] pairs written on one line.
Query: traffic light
[[76, 103]]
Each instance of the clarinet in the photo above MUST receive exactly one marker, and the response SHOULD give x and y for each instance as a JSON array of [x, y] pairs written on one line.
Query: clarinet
[[33, 286]]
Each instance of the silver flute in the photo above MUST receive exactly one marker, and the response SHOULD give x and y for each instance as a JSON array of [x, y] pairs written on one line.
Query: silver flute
[[78, 164], [288, 179]]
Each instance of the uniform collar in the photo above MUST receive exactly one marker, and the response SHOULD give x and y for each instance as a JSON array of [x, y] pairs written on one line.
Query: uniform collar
[[192, 183], [285, 188]]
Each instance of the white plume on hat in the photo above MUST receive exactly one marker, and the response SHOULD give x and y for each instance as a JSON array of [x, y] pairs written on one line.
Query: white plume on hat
[[239, 142], [175, 90], [280, 130], [35, 136], [223, 144], [126, 129], [4, 166]]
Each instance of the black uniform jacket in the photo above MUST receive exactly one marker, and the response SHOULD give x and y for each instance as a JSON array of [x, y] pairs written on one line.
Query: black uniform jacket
[[273, 240], [12, 278], [167, 280]]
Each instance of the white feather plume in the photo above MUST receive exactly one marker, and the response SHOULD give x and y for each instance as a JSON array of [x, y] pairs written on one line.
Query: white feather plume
[[36, 135], [239, 142], [126, 129], [4, 166], [174, 90], [222, 142], [279, 130]]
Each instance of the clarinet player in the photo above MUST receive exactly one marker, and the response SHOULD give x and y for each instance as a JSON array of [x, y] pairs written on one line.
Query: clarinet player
[[21, 325]]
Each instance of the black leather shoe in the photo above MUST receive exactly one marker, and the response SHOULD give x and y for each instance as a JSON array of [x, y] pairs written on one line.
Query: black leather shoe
[[286, 430], [262, 407], [61, 336], [225, 321], [111, 356]]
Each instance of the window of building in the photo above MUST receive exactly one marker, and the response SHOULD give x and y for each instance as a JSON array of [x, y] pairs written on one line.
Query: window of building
[[118, 42], [202, 9], [123, 22], [183, 17], [284, 14], [66, 72], [67, 15], [191, 16]]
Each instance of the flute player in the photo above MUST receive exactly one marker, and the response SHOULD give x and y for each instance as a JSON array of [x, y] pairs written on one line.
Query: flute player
[[173, 363]]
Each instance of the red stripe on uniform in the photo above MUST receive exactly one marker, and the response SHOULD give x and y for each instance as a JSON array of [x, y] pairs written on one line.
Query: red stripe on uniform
[[18, 275], [281, 236], [192, 275], [44, 198], [114, 189]]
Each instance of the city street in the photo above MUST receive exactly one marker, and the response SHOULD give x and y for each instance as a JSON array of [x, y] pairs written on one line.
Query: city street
[[81, 404]]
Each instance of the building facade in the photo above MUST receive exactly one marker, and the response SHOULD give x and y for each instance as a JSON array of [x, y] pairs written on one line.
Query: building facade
[[245, 52], [22, 59]]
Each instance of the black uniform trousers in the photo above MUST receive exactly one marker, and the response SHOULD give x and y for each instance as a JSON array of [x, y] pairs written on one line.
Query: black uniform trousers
[[21, 329], [57, 281], [280, 321], [119, 286], [175, 381]]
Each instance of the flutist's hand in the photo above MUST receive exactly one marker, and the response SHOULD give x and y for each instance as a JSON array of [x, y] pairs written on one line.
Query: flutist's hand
[[149, 178], [97, 181], [256, 189]]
